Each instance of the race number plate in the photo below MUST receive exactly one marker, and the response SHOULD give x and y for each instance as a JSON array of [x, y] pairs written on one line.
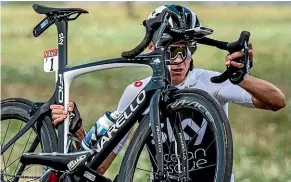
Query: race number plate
[[51, 60]]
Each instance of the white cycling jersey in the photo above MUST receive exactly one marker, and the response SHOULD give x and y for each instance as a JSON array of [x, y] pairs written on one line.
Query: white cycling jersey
[[225, 93]]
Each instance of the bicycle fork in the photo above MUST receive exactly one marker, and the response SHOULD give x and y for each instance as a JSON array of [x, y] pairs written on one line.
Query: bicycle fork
[[162, 174], [157, 134]]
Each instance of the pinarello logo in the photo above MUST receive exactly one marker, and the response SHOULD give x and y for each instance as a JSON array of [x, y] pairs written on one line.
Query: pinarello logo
[[137, 83]]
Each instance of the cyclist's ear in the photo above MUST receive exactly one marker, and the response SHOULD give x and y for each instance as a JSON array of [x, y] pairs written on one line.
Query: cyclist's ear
[[151, 46]]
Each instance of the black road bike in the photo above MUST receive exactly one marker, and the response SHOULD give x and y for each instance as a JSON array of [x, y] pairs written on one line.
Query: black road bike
[[164, 101]]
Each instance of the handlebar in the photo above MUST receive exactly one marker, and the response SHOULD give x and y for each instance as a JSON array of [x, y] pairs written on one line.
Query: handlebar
[[142, 46], [241, 43], [198, 34], [152, 25]]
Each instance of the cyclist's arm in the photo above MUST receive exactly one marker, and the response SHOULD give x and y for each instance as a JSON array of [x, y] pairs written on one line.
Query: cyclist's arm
[[229, 93], [265, 95], [252, 92]]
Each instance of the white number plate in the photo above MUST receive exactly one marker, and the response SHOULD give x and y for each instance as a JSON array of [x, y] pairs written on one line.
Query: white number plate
[[51, 60]]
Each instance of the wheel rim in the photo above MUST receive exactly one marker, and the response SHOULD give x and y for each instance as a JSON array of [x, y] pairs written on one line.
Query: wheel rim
[[11, 168]]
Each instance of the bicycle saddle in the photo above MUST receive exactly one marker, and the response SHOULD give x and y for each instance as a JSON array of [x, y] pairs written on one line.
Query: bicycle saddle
[[40, 9], [57, 161]]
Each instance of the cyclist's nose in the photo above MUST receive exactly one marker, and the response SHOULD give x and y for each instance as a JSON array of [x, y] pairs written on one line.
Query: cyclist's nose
[[178, 59]]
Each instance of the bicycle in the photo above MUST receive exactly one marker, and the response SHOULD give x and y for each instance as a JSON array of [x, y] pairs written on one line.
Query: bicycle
[[162, 99]]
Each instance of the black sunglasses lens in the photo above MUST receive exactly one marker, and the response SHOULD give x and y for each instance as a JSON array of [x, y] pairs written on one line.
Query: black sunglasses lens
[[174, 51]]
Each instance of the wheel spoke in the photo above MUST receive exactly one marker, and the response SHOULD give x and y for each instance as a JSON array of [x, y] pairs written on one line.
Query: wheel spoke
[[5, 133], [4, 167], [32, 148], [207, 148], [204, 167], [23, 152], [170, 139], [14, 143], [143, 170], [152, 157]]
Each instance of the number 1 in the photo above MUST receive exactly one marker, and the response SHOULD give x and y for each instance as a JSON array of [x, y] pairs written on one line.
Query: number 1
[[52, 59]]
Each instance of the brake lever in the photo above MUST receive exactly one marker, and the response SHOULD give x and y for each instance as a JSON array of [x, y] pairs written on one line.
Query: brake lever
[[247, 58], [241, 43]]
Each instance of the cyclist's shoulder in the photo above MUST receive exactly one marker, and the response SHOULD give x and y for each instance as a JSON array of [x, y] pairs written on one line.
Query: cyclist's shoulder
[[204, 76], [200, 73]]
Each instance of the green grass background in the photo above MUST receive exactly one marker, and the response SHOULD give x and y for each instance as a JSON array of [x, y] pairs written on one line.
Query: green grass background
[[262, 139]]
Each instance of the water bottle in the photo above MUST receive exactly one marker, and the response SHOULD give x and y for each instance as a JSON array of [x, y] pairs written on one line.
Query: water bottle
[[100, 128]]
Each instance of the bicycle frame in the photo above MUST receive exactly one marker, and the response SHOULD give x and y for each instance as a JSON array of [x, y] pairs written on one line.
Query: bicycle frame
[[149, 96]]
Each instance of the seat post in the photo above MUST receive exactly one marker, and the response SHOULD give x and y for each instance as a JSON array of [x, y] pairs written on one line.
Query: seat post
[[62, 27]]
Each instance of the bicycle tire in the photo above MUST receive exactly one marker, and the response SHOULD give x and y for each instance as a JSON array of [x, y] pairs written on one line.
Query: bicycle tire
[[18, 108], [221, 126]]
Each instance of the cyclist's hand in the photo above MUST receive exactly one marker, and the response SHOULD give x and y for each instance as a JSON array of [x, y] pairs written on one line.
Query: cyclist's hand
[[230, 59], [59, 114]]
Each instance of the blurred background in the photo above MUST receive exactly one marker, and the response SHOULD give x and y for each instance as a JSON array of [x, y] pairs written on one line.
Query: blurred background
[[262, 139]]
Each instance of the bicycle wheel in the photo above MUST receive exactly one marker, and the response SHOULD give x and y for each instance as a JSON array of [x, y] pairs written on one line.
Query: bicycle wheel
[[206, 131], [40, 138], [175, 149]]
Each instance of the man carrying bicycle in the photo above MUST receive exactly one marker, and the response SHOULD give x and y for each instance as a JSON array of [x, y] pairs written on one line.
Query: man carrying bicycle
[[249, 91]]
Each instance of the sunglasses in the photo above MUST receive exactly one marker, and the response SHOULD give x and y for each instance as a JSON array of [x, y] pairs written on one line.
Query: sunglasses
[[184, 51]]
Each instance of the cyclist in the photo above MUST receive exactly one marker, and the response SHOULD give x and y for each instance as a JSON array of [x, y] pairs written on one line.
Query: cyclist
[[249, 91]]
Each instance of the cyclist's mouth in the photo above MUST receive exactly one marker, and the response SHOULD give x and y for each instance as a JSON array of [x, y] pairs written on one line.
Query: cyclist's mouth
[[178, 70]]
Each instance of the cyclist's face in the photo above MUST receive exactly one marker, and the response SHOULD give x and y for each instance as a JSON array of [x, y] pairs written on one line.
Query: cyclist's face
[[180, 56], [179, 71]]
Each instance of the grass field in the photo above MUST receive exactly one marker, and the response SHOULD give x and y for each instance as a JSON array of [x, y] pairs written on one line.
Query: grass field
[[262, 145]]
